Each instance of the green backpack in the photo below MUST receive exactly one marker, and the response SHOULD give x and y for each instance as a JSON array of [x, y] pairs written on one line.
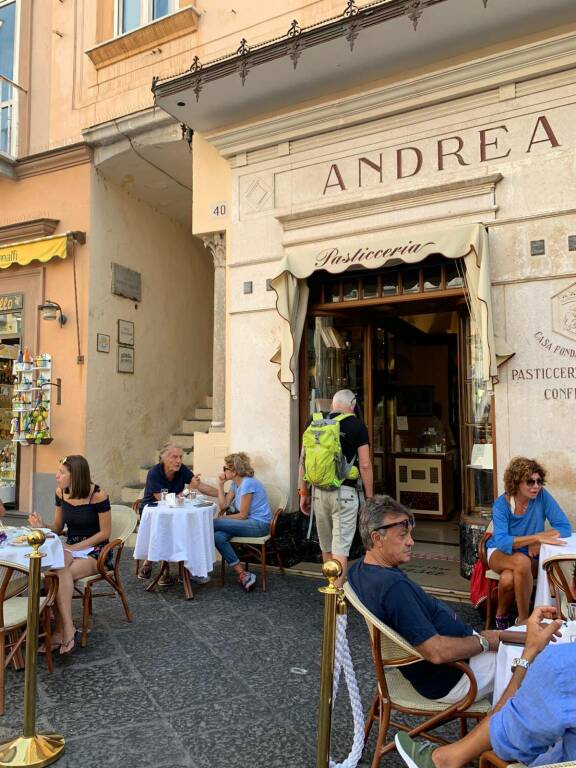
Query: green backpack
[[325, 465]]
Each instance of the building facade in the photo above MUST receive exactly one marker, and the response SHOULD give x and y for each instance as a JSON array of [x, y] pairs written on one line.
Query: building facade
[[410, 237]]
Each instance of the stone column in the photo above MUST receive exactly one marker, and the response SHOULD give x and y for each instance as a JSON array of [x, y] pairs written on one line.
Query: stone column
[[215, 242]]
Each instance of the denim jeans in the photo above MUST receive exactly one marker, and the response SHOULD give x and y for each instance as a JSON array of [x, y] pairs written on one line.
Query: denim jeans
[[225, 529]]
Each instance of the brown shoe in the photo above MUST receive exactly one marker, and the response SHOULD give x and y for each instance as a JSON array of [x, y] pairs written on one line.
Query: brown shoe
[[166, 580], [145, 572]]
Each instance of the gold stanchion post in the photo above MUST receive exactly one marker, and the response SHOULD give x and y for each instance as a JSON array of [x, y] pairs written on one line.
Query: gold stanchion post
[[331, 570], [31, 748]]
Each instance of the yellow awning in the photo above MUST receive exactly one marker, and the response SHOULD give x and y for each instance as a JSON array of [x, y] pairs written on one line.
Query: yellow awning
[[43, 249], [371, 251]]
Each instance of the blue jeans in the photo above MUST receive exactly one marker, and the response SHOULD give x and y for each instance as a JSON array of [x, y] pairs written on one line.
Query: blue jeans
[[225, 529]]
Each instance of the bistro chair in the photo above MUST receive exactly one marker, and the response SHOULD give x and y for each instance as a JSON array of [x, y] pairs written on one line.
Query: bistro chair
[[14, 616], [395, 694], [560, 570], [492, 577], [257, 548], [124, 521]]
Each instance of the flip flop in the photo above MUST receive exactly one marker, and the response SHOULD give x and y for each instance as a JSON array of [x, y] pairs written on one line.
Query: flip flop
[[68, 646], [54, 644]]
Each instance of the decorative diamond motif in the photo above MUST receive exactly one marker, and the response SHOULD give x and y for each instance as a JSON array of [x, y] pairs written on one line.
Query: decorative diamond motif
[[258, 194]]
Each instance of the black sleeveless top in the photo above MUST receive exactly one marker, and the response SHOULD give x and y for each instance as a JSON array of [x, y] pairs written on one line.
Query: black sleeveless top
[[81, 520]]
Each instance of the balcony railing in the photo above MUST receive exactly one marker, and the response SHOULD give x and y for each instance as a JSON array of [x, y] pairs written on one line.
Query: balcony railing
[[11, 95]]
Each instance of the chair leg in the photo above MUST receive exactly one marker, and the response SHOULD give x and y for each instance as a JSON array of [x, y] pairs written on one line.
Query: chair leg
[[137, 567], [278, 558], [463, 727], [264, 574], [48, 639], [86, 598], [120, 589], [372, 715], [383, 723], [2, 670]]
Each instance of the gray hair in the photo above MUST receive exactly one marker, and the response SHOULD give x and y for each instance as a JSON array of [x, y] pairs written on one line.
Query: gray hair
[[344, 397], [166, 448], [375, 512]]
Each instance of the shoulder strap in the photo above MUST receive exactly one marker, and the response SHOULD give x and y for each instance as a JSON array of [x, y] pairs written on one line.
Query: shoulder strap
[[342, 416]]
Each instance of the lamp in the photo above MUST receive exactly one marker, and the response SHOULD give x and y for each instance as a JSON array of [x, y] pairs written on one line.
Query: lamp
[[50, 310]]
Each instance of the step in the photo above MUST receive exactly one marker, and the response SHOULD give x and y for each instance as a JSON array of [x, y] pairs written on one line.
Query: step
[[183, 440], [203, 413], [189, 426], [206, 402], [130, 493]]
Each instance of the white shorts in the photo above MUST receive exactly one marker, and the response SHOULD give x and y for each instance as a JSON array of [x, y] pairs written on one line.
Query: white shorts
[[489, 553], [483, 668]]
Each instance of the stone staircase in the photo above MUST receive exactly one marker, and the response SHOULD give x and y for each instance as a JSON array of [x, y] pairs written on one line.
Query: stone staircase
[[198, 421]]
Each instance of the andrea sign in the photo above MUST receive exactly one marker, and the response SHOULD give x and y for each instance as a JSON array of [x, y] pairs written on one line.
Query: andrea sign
[[446, 153], [329, 257]]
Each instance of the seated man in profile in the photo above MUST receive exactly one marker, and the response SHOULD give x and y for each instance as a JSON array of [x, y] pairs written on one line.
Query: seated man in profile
[[534, 724], [426, 623]]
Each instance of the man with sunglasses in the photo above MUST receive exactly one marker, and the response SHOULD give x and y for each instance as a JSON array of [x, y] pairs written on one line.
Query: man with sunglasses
[[433, 628]]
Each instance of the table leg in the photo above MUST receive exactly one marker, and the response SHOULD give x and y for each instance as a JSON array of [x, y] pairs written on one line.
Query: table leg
[[185, 576], [163, 568]]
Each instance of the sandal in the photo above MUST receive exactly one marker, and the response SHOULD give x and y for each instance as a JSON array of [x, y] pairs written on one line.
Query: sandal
[[67, 646], [53, 645], [145, 572]]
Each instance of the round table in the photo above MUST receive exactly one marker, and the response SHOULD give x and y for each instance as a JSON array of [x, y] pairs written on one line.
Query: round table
[[182, 535], [52, 549], [549, 552]]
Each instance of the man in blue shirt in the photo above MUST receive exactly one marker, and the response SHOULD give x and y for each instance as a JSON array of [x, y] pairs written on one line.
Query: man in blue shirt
[[534, 724], [426, 623]]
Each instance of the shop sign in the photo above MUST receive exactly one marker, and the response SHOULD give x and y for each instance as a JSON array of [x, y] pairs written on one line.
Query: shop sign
[[34, 250], [441, 153], [11, 302]]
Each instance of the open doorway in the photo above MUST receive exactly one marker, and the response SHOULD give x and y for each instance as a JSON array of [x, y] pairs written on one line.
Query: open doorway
[[402, 340]]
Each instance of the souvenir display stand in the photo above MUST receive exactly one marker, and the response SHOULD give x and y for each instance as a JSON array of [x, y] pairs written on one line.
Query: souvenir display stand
[[31, 399]]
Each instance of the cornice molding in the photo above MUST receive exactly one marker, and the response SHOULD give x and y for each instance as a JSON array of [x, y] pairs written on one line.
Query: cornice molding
[[422, 196], [53, 160], [527, 62], [27, 230]]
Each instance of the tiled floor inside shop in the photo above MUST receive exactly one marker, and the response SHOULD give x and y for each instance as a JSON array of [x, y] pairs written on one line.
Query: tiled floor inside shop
[[226, 680]]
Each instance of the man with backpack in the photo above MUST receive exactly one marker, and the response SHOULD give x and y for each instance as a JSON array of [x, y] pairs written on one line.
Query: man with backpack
[[335, 452]]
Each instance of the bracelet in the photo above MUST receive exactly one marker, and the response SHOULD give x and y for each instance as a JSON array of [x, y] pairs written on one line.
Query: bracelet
[[303, 492]]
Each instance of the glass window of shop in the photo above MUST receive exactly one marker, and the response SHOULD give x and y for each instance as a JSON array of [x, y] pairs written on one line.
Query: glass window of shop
[[7, 55], [10, 339]]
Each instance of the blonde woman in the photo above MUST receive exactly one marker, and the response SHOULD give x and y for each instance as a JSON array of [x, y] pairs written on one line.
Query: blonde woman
[[252, 513]]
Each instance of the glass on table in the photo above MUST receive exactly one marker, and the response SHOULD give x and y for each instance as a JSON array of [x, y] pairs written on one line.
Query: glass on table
[[163, 494], [571, 612]]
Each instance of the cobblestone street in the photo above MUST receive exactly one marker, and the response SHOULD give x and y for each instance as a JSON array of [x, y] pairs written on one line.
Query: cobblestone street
[[227, 679]]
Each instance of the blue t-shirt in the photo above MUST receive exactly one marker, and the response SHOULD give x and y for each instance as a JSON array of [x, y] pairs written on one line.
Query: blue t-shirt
[[538, 725], [260, 506], [157, 480], [507, 525], [404, 606]]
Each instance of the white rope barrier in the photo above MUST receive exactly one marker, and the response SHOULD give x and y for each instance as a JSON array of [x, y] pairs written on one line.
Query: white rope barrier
[[343, 660]]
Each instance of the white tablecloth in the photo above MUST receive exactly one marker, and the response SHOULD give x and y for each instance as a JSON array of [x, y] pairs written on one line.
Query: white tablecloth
[[548, 552], [17, 555], [507, 653], [178, 534]]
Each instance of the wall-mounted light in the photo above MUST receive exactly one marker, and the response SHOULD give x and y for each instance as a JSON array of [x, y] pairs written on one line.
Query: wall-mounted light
[[52, 311]]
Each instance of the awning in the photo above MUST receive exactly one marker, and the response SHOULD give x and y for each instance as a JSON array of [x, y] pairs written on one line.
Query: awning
[[42, 249], [372, 251]]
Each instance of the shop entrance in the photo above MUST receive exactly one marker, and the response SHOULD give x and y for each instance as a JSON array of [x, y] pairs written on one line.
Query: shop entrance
[[401, 339]]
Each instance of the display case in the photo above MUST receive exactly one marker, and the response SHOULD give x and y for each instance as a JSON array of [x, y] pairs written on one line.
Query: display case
[[31, 400], [424, 483]]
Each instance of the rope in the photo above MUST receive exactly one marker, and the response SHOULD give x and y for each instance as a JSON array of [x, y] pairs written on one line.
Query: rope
[[343, 660]]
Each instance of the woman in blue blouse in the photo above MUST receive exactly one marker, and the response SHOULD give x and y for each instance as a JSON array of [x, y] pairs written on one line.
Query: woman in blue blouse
[[518, 517], [251, 518]]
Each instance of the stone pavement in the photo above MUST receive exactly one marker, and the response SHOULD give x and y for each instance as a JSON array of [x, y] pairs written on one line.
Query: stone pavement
[[228, 679]]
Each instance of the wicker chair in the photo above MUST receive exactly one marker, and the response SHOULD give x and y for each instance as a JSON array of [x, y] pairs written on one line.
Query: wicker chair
[[256, 547], [390, 652], [124, 521], [14, 616], [491, 760], [560, 570]]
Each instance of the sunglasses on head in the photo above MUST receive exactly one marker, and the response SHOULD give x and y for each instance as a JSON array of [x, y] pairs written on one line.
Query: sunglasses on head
[[63, 460], [530, 482], [407, 524], [227, 469]]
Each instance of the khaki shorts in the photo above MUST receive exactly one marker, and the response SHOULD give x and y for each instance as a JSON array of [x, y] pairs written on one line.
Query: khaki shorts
[[335, 512]]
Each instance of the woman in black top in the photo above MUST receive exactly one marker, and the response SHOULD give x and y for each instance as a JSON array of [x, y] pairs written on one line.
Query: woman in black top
[[84, 509]]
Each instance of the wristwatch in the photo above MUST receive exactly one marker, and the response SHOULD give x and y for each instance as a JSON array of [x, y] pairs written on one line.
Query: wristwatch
[[524, 663], [484, 643]]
